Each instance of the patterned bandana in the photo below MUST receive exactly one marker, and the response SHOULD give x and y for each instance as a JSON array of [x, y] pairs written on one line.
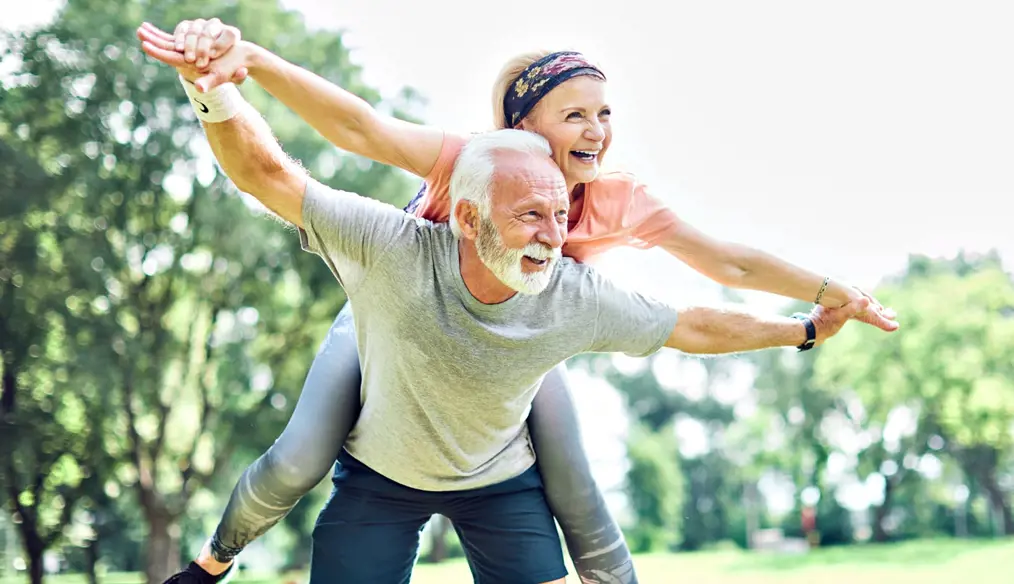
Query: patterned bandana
[[540, 78]]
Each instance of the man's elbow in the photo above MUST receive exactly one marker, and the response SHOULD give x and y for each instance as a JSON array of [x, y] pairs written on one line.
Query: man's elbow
[[692, 334], [281, 191]]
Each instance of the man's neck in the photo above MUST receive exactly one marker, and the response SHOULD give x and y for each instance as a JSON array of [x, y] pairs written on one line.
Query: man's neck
[[481, 282]]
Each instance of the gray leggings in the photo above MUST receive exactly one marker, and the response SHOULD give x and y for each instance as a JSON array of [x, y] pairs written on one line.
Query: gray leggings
[[328, 408]]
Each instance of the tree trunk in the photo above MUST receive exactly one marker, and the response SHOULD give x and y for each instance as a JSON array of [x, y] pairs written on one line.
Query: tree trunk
[[438, 539], [92, 560], [999, 503], [981, 463], [34, 548], [163, 550], [35, 569], [881, 512]]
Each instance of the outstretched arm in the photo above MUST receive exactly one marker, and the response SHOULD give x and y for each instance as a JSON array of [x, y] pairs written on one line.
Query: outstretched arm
[[251, 157], [714, 331], [345, 120], [740, 266]]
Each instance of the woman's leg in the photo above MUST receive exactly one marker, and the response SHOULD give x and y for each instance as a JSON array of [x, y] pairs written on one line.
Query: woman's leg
[[594, 540], [325, 413]]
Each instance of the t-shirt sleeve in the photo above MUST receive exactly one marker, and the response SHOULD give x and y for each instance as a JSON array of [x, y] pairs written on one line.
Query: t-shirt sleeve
[[349, 232], [622, 211], [629, 322], [650, 219], [436, 202]]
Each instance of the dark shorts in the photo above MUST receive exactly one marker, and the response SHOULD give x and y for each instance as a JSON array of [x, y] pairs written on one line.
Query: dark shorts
[[368, 533]]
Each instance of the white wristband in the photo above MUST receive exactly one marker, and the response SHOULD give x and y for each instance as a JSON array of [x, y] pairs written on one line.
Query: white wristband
[[217, 105]]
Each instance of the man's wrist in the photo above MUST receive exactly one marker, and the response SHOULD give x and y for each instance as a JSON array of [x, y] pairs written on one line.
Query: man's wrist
[[806, 332], [217, 105]]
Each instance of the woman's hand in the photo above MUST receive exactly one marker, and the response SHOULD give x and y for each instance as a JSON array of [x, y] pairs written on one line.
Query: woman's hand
[[206, 52], [875, 314]]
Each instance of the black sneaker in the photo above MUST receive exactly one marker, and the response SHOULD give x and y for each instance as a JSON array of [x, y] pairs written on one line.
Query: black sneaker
[[194, 574]]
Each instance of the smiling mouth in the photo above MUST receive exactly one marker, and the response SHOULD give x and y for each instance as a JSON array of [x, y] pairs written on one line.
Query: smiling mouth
[[584, 155], [536, 261]]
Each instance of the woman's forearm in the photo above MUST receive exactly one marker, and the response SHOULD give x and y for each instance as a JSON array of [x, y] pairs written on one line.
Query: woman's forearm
[[765, 272], [344, 119]]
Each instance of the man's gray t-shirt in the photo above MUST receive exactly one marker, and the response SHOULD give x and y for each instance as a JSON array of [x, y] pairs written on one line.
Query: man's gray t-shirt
[[448, 381]]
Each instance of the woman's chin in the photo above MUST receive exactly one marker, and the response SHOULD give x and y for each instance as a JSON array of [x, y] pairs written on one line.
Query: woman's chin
[[583, 175]]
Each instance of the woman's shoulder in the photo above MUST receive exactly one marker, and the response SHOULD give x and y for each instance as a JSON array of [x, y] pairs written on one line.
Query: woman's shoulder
[[614, 183]]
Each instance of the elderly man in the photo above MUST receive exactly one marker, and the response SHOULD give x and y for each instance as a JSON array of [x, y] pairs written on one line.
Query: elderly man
[[456, 327]]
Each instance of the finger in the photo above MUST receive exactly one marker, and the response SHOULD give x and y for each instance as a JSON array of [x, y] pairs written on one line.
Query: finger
[[190, 41], [169, 57], [210, 81], [212, 29], [162, 43], [875, 319], [156, 31], [180, 34], [216, 78], [225, 41], [203, 52], [873, 300]]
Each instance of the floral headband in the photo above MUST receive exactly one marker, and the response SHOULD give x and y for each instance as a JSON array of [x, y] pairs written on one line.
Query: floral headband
[[540, 78]]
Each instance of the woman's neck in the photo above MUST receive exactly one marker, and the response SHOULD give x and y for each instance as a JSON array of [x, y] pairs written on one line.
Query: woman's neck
[[576, 190]]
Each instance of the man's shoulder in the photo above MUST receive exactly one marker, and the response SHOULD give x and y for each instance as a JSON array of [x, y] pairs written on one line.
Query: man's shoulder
[[569, 270], [573, 281]]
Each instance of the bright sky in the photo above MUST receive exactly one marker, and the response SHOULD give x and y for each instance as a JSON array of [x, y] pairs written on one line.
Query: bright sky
[[843, 137], [839, 136]]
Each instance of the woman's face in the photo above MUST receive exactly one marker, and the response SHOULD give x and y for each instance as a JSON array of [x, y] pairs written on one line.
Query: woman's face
[[574, 117]]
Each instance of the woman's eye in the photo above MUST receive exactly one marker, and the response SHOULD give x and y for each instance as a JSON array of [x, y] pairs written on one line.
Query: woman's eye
[[574, 116], [605, 113]]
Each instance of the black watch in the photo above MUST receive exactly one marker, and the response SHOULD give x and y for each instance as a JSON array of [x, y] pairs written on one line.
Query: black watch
[[811, 331]]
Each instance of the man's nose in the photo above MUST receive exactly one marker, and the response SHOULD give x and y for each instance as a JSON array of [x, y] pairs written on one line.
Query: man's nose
[[552, 233]]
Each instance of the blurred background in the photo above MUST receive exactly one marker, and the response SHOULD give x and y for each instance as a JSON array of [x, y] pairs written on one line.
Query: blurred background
[[156, 325]]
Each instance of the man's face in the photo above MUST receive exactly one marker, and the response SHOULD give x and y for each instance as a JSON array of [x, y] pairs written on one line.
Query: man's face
[[521, 239]]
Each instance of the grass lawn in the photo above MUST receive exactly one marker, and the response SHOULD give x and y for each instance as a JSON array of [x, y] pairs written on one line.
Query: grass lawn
[[921, 562]]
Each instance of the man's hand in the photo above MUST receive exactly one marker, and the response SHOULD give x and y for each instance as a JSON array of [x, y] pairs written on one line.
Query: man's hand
[[828, 321], [206, 53]]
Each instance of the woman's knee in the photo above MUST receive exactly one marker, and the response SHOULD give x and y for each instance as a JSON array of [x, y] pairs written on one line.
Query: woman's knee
[[295, 469]]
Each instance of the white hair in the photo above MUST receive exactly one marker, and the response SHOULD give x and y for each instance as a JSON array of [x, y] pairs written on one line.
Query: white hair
[[472, 179]]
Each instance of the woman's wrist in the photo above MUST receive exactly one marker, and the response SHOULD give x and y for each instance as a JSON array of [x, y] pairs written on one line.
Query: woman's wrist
[[254, 57], [837, 294]]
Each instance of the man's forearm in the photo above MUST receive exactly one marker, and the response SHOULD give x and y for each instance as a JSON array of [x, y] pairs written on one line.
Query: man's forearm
[[715, 331], [251, 157]]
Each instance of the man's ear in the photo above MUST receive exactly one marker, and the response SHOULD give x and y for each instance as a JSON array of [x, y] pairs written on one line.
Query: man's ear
[[467, 215]]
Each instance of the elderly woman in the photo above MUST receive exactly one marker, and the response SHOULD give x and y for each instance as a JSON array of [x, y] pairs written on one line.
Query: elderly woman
[[560, 95]]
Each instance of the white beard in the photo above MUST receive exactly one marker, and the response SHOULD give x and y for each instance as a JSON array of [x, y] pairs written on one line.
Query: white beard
[[505, 263]]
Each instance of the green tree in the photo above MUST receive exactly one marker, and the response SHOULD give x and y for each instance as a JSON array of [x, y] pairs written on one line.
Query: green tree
[[140, 276], [655, 488], [951, 363], [53, 443], [711, 485]]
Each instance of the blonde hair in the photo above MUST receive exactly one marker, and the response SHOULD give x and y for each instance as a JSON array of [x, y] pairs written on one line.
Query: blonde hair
[[510, 71]]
